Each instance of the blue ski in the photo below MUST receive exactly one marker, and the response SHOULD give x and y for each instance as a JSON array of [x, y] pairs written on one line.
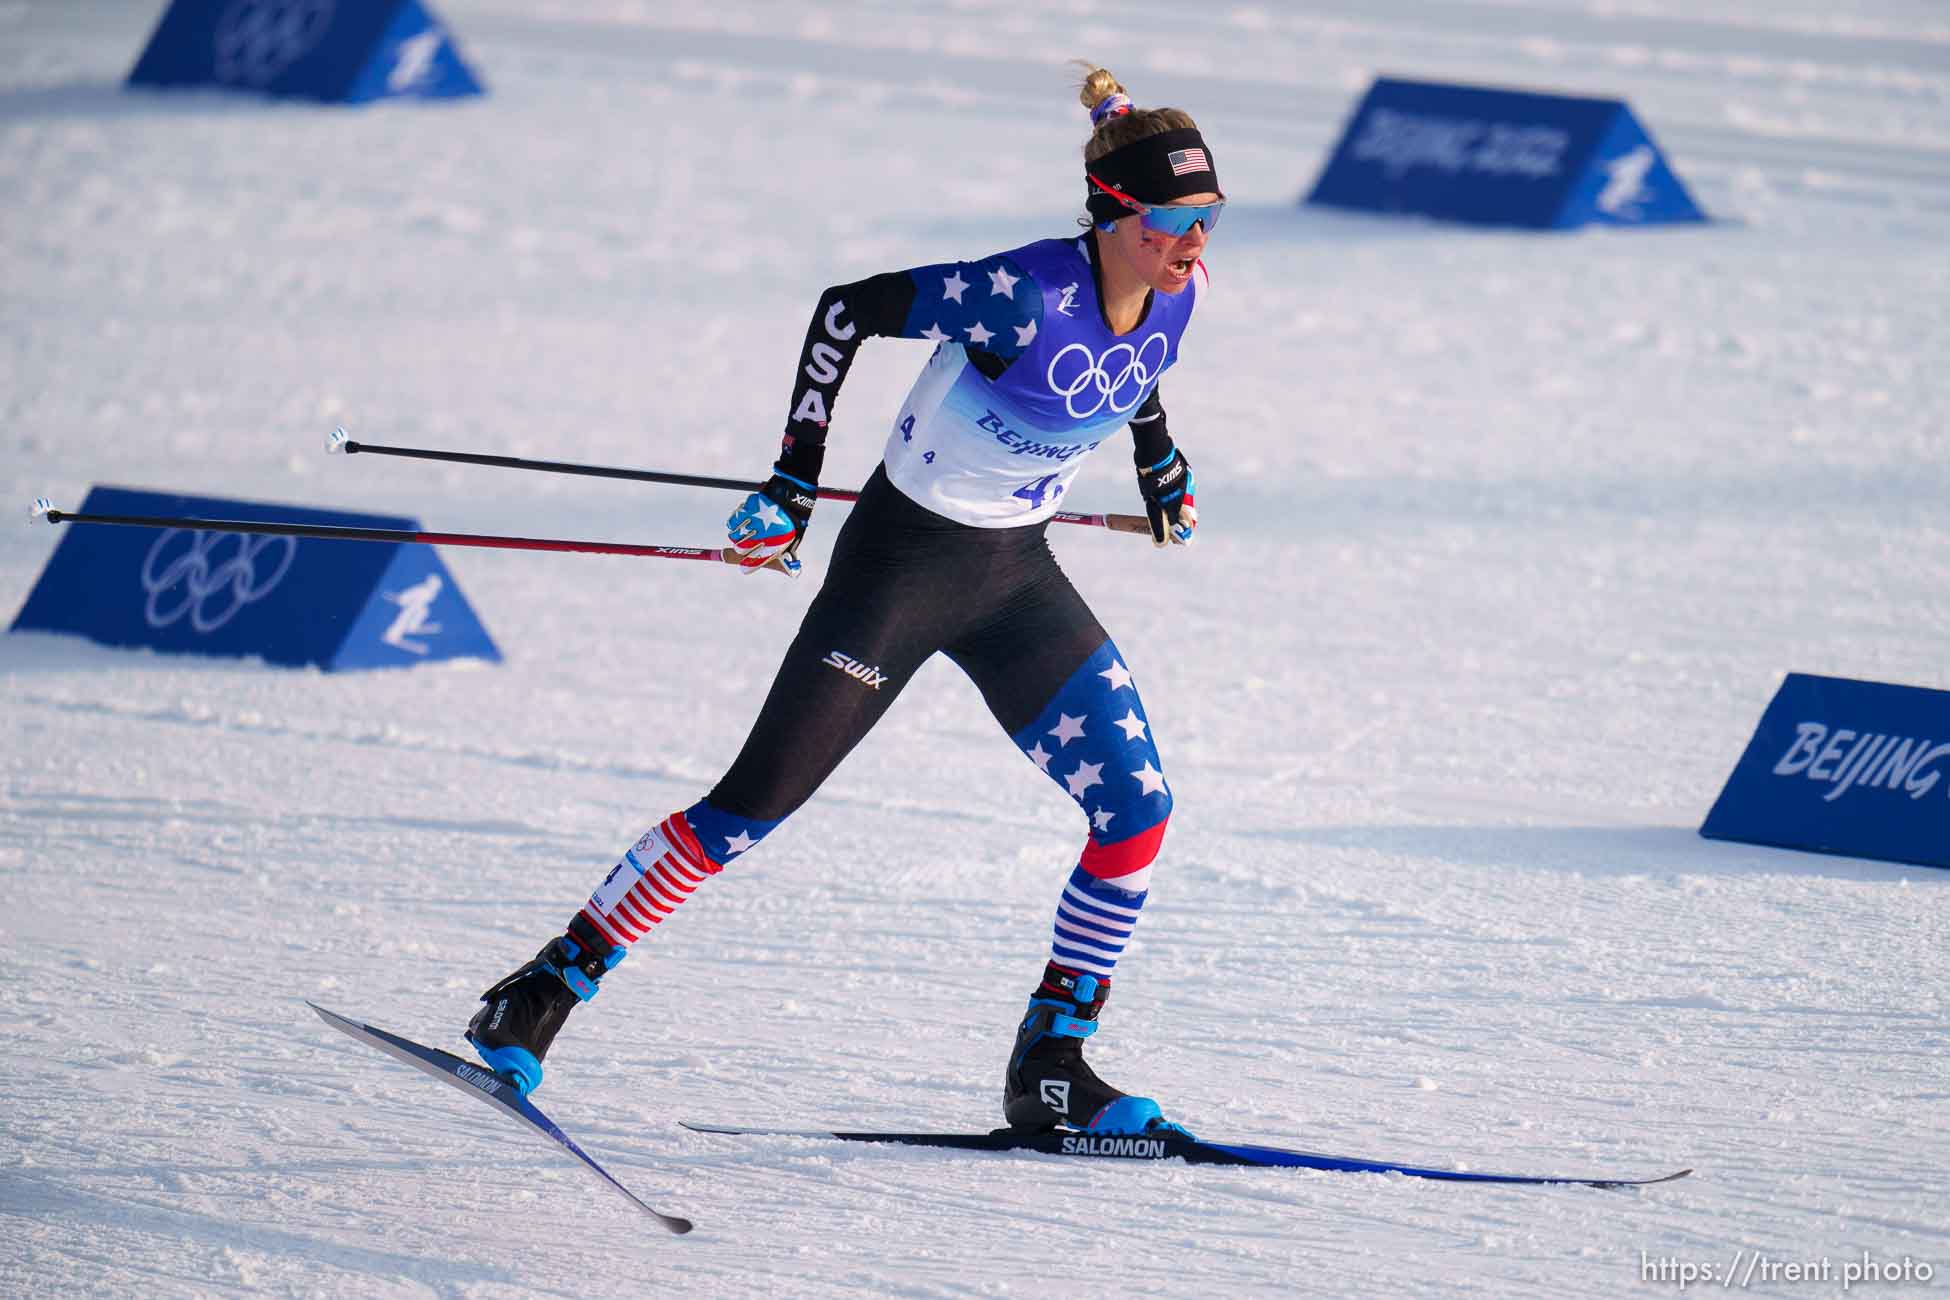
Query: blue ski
[[500, 1095], [1172, 1146]]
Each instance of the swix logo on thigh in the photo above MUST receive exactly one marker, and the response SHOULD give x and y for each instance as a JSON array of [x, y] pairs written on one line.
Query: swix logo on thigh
[[865, 674]]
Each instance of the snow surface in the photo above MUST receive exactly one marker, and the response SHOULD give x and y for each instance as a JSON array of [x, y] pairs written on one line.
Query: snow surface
[[1507, 541]]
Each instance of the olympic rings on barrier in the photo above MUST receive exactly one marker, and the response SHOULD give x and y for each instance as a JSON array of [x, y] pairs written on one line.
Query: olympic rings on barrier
[[186, 584], [258, 39]]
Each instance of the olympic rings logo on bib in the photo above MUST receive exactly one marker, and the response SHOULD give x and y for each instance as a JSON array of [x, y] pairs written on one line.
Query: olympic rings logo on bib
[[1119, 377]]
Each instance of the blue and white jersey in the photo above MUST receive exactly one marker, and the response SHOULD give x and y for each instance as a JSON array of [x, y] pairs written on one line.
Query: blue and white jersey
[[1001, 452]]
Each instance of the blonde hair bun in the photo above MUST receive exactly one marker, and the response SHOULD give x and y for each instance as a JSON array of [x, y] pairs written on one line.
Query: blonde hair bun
[[1097, 86]]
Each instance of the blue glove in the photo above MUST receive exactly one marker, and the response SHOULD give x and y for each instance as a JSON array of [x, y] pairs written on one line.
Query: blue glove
[[772, 522], [1167, 490]]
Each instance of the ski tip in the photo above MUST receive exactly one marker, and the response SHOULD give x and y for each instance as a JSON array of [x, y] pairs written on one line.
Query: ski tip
[[1621, 1184], [1654, 1182]]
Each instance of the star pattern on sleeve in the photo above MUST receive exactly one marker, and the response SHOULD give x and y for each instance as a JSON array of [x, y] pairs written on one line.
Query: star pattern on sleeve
[[1002, 321]]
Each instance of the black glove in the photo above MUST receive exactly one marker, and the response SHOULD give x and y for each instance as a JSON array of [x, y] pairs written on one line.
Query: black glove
[[1167, 490], [772, 521]]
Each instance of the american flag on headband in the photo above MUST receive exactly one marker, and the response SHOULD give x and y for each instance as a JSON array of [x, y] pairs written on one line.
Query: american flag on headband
[[1187, 160]]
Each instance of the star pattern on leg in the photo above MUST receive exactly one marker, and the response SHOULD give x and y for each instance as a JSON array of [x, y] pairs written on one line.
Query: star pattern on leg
[[738, 843], [1000, 281], [952, 286], [1113, 741], [1086, 775]]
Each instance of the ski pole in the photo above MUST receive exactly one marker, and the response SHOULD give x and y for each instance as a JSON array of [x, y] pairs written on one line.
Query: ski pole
[[340, 442], [43, 508]]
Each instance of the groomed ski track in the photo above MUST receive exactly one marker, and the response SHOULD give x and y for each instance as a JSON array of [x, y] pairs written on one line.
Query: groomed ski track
[[1506, 542]]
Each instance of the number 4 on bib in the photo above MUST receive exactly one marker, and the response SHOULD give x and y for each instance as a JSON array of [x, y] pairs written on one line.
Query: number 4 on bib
[[1035, 492]]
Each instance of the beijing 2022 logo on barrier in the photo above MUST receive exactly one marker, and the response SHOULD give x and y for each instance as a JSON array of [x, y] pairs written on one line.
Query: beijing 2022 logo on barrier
[[211, 591], [1501, 157], [1844, 766], [258, 39], [1119, 377], [1400, 142]]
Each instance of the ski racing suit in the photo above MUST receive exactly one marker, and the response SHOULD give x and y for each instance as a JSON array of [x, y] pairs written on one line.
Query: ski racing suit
[[945, 553]]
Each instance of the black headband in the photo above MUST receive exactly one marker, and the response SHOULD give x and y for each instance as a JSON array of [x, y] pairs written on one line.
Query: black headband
[[1153, 170]]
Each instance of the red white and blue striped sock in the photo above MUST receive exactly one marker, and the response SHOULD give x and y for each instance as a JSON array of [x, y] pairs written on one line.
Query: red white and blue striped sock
[[663, 868], [658, 873], [1094, 920]]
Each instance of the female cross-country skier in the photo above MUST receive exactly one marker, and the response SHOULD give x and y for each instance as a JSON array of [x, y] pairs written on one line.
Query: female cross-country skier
[[1041, 354]]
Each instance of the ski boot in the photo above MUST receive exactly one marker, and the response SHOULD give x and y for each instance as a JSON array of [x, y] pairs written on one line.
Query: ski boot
[[521, 1014], [1049, 1084]]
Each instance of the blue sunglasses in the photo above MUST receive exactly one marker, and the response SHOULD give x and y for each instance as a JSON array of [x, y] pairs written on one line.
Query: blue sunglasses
[[1176, 221]]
